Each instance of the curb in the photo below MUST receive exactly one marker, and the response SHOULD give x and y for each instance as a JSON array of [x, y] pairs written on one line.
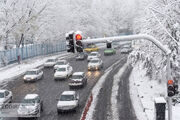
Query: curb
[[86, 109]]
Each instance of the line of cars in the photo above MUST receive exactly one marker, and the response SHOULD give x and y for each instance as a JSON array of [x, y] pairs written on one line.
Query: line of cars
[[32, 104]]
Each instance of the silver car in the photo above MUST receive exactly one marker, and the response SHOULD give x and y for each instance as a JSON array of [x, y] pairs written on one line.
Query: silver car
[[93, 55], [95, 64], [50, 62]]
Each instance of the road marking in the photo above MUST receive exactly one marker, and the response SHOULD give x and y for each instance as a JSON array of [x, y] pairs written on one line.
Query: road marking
[[114, 93]]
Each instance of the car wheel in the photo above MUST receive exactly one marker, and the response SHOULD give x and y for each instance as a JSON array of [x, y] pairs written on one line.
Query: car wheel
[[41, 107], [58, 111], [42, 77], [10, 101], [25, 81], [19, 118]]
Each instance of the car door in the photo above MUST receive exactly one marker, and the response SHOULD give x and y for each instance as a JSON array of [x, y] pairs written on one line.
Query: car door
[[38, 75], [68, 70], [7, 97], [71, 70], [41, 73], [77, 99], [38, 103]]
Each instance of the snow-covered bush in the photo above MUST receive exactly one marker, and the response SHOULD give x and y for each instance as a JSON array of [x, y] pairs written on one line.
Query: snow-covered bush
[[161, 19]]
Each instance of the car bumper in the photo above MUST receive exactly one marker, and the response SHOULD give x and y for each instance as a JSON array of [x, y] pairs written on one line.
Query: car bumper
[[76, 84], [60, 77], [79, 58], [30, 80], [93, 68], [67, 108], [108, 53]]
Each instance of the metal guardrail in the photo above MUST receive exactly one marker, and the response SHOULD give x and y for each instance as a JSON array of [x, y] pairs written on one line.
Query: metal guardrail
[[29, 51]]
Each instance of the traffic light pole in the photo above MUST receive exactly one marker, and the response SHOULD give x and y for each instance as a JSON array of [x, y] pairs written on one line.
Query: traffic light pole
[[74, 41], [166, 50], [169, 98]]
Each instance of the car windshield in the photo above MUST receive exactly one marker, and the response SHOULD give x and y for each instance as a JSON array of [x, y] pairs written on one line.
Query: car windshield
[[50, 60], [94, 61], [60, 63], [28, 101], [61, 69], [77, 77], [93, 54], [31, 73], [1, 95], [67, 97]]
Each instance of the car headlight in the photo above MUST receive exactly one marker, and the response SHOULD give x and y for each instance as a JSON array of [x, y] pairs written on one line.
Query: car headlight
[[24, 77]]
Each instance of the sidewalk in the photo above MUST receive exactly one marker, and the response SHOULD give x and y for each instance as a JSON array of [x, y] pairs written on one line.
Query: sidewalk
[[143, 91]]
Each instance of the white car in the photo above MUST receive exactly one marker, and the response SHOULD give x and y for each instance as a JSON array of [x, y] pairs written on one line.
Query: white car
[[31, 106], [5, 97], [63, 72], [50, 62], [60, 63], [93, 55], [95, 64], [68, 100], [33, 75]]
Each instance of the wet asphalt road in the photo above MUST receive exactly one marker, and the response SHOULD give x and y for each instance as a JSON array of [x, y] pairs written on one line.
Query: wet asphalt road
[[49, 90], [125, 108]]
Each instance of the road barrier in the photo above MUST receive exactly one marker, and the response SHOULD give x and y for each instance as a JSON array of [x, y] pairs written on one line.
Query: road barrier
[[86, 109], [29, 51]]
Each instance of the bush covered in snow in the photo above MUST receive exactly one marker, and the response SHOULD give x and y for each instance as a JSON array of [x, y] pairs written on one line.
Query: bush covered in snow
[[161, 19]]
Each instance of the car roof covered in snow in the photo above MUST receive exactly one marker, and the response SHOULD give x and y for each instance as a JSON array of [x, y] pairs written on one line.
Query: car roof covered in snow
[[31, 96], [68, 93], [78, 73]]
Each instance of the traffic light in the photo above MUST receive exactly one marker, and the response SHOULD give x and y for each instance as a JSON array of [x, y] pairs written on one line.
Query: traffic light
[[172, 88], [79, 45], [70, 42]]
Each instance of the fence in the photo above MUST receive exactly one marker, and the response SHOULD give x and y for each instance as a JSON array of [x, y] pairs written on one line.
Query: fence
[[29, 51]]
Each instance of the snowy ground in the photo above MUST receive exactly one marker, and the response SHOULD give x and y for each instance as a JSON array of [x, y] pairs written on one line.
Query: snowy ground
[[143, 91]]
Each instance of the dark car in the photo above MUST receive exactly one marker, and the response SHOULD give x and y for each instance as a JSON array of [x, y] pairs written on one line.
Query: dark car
[[78, 79], [81, 56]]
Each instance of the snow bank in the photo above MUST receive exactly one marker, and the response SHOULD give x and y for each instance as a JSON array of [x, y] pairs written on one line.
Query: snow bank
[[143, 91], [114, 92], [15, 70], [95, 93]]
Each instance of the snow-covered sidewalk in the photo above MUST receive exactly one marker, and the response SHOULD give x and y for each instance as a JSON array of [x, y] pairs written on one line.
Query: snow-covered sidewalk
[[14, 70], [143, 91]]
